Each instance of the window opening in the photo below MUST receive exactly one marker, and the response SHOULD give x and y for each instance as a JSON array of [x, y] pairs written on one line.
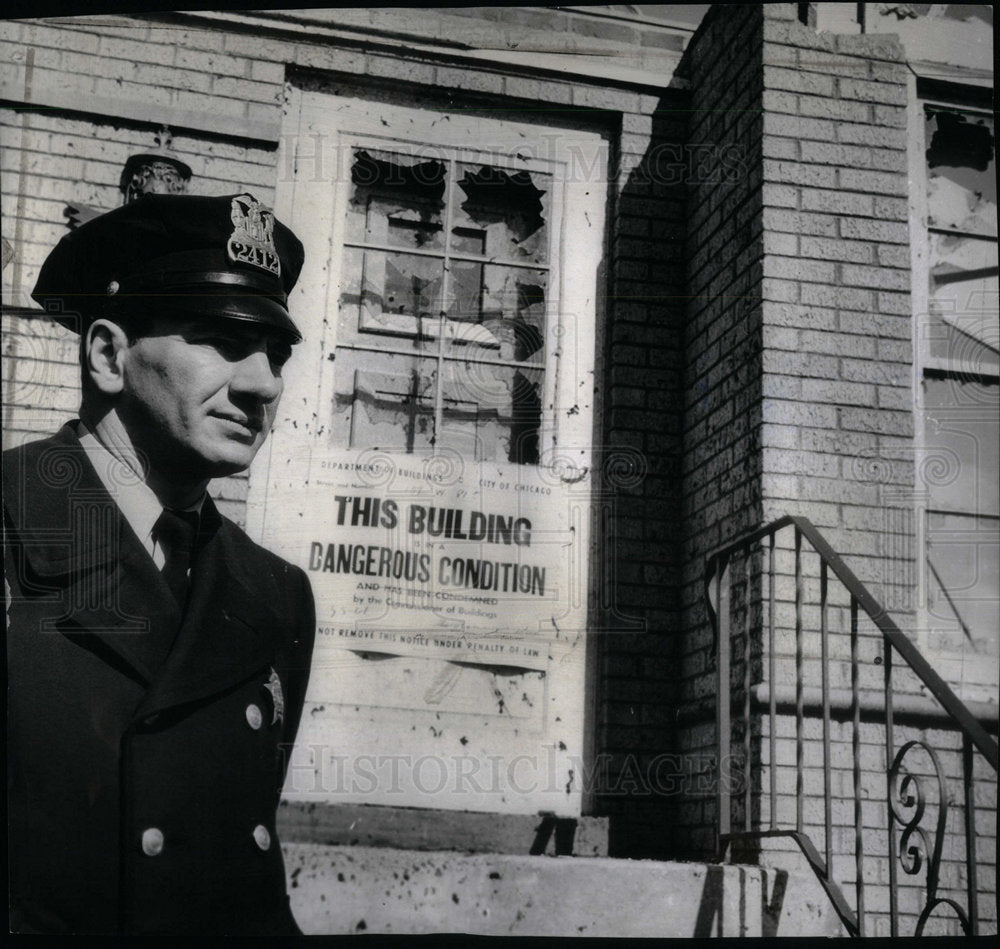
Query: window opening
[[443, 315], [959, 353]]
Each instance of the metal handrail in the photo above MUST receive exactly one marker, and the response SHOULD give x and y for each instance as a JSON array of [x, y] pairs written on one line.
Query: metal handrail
[[903, 788], [939, 688]]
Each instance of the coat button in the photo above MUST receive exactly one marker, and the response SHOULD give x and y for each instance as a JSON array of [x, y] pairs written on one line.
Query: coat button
[[152, 841], [261, 837], [255, 718]]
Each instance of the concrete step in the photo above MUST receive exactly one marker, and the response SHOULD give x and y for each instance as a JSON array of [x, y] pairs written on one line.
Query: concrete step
[[341, 889]]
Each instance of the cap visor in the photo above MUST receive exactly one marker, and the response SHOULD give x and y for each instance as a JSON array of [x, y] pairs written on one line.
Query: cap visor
[[248, 307]]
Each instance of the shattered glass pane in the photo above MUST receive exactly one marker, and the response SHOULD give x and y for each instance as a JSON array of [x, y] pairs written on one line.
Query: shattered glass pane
[[959, 471], [963, 296], [466, 304], [508, 303], [513, 308], [391, 293], [501, 215], [384, 401], [961, 176], [395, 201], [507, 416], [411, 285]]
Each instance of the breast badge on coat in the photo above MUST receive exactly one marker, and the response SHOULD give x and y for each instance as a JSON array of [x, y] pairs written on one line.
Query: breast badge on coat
[[273, 685]]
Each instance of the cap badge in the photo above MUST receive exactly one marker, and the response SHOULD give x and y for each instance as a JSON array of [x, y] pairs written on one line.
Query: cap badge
[[252, 240], [273, 685]]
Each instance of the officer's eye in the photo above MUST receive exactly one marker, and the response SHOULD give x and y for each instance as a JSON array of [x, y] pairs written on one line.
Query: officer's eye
[[279, 353], [226, 346], [222, 343]]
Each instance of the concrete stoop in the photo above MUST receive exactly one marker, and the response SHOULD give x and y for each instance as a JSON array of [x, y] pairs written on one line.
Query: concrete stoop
[[339, 889]]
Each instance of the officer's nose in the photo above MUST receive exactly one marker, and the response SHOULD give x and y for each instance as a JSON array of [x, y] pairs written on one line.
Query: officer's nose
[[256, 375]]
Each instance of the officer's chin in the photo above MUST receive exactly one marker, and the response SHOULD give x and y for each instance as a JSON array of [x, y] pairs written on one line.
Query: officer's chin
[[233, 460], [197, 463]]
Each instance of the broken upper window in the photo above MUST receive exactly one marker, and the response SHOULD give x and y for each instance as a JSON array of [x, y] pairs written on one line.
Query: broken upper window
[[441, 338], [962, 225], [960, 355]]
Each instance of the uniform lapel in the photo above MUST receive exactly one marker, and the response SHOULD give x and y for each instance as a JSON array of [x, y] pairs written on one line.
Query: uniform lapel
[[79, 549], [227, 633]]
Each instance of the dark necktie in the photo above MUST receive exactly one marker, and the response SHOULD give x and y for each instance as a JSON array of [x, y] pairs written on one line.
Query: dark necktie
[[175, 532]]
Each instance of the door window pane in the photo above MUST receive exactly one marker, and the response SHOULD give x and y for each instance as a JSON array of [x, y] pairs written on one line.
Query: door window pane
[[384, 401], [508, 411], [395, 201], [501, 215]]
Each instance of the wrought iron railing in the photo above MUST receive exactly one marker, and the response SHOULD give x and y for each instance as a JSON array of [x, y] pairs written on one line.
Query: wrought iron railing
[[913, 846]]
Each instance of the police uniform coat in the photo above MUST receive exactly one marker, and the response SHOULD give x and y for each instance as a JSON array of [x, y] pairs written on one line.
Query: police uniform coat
[[143, 777]]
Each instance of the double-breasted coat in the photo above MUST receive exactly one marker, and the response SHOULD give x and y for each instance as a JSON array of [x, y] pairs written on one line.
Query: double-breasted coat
[[146, 749]]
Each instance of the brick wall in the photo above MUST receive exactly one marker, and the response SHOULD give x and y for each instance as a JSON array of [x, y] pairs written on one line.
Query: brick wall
[[837, 424], [722, 460], [643, 384], [837, 432]]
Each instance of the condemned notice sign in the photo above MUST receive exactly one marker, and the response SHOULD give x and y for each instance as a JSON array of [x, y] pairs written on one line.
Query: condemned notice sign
[[434, 557]]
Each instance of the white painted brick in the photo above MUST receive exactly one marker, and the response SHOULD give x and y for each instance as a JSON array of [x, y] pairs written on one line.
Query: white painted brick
[[238, 88], [782, 244], [206, 39], [137, 51], [837, 202], [873, 181], [61, 38], [827, 249], [841, 393], [267, 72], [539, 90], [210, 105], [215, 64]]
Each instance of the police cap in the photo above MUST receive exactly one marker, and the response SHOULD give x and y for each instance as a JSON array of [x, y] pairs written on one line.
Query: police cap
[[184, 255]]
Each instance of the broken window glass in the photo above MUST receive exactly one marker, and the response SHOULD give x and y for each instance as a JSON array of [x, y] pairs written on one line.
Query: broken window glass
[[962, 295], [473, 307], [508, 302], [508, 410], [501, 215], [962, 444], [963, 324], [395, 201], [957, 475], [961, 176], [384, 401]]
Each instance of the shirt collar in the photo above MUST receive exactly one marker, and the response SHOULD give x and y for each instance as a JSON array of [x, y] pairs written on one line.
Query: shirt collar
[[135, 499]]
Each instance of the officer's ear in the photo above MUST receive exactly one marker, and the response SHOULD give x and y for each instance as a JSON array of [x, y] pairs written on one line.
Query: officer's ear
[[104, 354]]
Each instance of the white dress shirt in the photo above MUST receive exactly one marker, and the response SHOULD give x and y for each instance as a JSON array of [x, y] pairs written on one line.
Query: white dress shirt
[[135, 499]]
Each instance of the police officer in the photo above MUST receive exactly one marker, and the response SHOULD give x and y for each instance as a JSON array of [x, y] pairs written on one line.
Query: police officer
[[157, 657]]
